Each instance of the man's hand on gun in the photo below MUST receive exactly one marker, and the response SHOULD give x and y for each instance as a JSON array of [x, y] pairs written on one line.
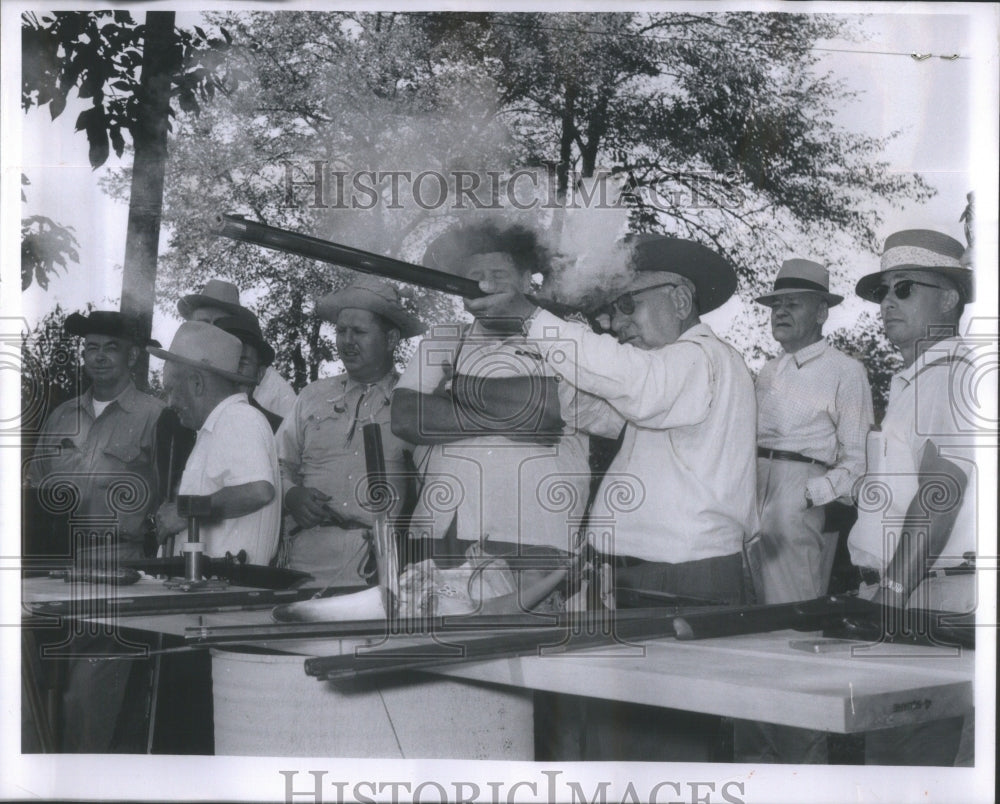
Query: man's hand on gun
[[310, 507]]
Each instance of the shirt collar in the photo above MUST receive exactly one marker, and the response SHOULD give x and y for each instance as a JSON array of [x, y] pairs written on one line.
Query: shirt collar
[[125, 399], [385, 384], [941, 352], [219, 409], [810, 352]]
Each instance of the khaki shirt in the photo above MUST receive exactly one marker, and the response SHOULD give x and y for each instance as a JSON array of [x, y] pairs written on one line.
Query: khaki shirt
[[107, 461]]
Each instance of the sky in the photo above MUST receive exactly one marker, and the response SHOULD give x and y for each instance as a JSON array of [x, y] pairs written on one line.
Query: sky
[[899, 93]]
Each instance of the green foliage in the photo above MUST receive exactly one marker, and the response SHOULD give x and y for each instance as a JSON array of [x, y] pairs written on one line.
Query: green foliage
[[100, 54]]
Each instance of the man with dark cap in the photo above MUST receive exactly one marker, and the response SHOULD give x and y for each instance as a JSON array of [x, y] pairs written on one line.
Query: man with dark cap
[[104, 438], [219, 299], [102, 445], [814, 410], [915, 538], [679, 498], [320, 443]]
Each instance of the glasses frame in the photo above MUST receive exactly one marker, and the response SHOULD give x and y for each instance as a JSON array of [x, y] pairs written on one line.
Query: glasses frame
[[881, 292], [631, 294]]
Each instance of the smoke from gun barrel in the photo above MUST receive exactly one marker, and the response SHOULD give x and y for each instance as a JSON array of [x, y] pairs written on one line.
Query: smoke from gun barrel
[[261, 234]]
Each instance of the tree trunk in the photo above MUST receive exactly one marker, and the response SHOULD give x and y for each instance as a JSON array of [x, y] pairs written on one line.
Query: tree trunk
[[161, 60]]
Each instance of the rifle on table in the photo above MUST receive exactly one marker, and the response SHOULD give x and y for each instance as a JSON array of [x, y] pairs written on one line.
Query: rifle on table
[[841, 616], [261, 234]]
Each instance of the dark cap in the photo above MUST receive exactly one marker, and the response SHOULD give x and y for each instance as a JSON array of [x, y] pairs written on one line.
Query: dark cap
[[246, 327], [106, 322]]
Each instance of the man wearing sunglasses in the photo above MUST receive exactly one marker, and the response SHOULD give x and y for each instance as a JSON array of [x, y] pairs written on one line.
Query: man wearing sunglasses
[[916, 520], [680, 495]]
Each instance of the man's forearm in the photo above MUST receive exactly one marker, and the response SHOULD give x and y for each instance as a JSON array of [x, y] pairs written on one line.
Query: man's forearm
[[930, 518], [235, 501]]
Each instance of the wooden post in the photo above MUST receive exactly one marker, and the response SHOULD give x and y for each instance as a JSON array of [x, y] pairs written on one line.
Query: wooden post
[[161, 60]]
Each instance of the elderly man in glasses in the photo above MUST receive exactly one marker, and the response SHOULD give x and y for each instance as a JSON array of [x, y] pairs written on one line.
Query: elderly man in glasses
[[680, 495], [916, 504]]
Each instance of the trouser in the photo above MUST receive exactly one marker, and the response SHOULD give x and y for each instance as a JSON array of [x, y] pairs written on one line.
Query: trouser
[[333, 556], [795, 556], [618, 731], [793, 560], [94, 692]]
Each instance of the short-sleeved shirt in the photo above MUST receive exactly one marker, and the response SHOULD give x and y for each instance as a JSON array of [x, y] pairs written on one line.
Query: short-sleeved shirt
[[494, 487], [924, 407], [321, 445], [108, 458], [817, 402], [235, 446], [683, 485]]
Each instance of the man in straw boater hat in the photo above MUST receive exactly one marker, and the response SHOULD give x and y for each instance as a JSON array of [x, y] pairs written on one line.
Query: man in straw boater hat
[[102, 444], [915, 538], [234, 461], [220, 299], [814, 411], [320, 443], [679, 497]]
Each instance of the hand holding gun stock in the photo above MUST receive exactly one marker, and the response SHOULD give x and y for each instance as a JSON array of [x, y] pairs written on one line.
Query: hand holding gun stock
[[260, 234]]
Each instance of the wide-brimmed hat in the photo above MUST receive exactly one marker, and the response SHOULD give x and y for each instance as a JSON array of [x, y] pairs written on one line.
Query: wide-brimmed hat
[[106, 322], [713, 277], [205, 347], [801, 276], [921, 250], [216, 293], [246, 327], [376, 296]]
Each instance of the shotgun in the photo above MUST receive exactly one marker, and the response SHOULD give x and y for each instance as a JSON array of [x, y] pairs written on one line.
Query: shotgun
[[260, 234]]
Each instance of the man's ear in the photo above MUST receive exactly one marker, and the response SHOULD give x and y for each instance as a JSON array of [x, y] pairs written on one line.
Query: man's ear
[[392, 337], [950, 300], [683, 301], [822, 312], [196, 381], [133, 356]]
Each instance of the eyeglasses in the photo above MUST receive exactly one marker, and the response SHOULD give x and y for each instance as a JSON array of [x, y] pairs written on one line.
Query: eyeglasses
[[625, 304], [901, 290]]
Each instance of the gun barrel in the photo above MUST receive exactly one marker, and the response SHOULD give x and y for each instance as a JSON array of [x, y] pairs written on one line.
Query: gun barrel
[[260, 234]]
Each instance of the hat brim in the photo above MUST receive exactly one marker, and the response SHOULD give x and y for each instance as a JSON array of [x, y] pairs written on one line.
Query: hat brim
[[82, 326], [831, 299], [329, 307], [962, 277], [163, 354], [188, 304], [713, 277]]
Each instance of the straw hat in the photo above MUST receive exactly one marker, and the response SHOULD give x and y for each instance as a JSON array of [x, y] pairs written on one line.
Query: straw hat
[[801, 276], [921, 250], [375, 296], [217, 293], [205, 347]]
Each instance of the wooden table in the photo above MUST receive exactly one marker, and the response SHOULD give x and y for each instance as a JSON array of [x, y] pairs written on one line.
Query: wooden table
[[759, 677]]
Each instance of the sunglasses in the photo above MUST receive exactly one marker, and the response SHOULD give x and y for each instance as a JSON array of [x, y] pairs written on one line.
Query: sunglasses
[[625, 304], [901, 290]]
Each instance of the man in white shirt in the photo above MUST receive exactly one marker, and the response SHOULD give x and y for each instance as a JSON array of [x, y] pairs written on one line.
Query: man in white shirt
[[916, 523], [218, 299], [679, 497], [814, 410], [234, 460]]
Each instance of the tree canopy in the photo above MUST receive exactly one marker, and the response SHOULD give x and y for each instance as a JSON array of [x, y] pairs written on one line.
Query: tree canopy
[[723, 125]]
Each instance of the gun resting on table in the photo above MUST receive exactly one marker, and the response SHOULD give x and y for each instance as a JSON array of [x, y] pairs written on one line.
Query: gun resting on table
[[261, 234]]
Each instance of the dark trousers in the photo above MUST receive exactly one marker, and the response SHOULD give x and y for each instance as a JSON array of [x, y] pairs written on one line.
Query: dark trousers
[[601, 730]]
